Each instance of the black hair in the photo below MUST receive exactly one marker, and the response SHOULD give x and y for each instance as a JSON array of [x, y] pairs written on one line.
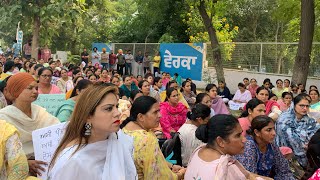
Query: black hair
[[300, 97], [241, 85], [93, 75], [3, 83], [245, 79], [221, 125], [313, 155], [184, 83], [134, 93], [124, 78], [82, 84], [259, 123], [52, 61], [209, 87], [141, 105], [313, 86], [279, 80], [271, 95], [315, 90], [252, 104], [95, 48], [221, 82], [104, 69], [43, 69], [169, 83], [75, 79], [266, 80], [75, 72], [287, 80], [114, 77], [156, 80], [200, 97], [140, 84], [199, 111], [38, 66], [287, 93], [169, 92], [148, 75], [261, 88], [31, 64]]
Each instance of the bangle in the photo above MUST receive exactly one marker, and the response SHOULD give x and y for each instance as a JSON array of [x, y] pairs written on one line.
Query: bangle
[[171, 166]]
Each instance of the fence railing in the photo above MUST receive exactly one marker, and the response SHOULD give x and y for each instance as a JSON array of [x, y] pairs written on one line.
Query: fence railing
[[265, 57]]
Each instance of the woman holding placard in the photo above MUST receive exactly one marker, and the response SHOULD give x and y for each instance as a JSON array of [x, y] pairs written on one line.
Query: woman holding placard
[[24, 115], [92, 146]]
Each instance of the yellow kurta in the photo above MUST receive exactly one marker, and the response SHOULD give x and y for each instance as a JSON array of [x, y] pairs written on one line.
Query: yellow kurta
[[148, 158], [13, 161]]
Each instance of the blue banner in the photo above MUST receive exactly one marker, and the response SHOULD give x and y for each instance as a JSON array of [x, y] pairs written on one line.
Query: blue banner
[[184, 59], [108, 46]]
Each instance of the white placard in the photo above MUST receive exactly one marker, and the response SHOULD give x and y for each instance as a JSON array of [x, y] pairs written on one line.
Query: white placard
[[45, 143], [234, 106]]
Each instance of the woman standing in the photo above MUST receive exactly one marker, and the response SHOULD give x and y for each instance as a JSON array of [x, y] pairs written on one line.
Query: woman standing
[[213, 161], [295, 128], [174, 113], [91, 137], [261, 155], [64, 83], [45, 76], [254, 108], [148, 158], [25, 115], [199, 115], [188, 95], [218, 105]]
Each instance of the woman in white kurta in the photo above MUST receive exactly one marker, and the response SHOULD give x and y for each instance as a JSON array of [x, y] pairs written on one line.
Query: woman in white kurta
[[92, 146], [241, 98]]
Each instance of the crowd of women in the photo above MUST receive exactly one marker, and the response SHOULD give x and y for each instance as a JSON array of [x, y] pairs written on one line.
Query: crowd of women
[[115, 124]]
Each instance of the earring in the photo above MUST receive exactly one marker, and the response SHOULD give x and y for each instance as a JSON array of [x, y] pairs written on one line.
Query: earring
[[87, 127]]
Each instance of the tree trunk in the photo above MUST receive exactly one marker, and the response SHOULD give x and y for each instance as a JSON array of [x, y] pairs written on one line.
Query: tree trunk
[[214, 41], [302, 62], [35, 36]]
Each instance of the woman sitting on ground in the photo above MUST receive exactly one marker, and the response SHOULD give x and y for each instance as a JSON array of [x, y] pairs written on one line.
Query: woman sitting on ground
[[313, 155], [254, 108], [25, 115], [92, 146], [65, 83], [65, 110], [261, 155], [217, 105], [253, 87], [295, 128], [173, 113], [241, 98], [13, 161], [315, 104], [147, 91], [286, 101], [279, 89], [173, 84], [204, 98], [148, 158], [224, 92], [188, 95], [128, 86], [222, 135], [199, 115], [45, 86], [272, 107]]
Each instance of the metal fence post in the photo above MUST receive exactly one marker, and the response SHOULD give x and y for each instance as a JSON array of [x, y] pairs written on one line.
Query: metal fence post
[[260, 64], [134, 49]]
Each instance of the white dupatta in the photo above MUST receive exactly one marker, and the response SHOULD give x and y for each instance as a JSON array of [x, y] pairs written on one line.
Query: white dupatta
[[103, 160]]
